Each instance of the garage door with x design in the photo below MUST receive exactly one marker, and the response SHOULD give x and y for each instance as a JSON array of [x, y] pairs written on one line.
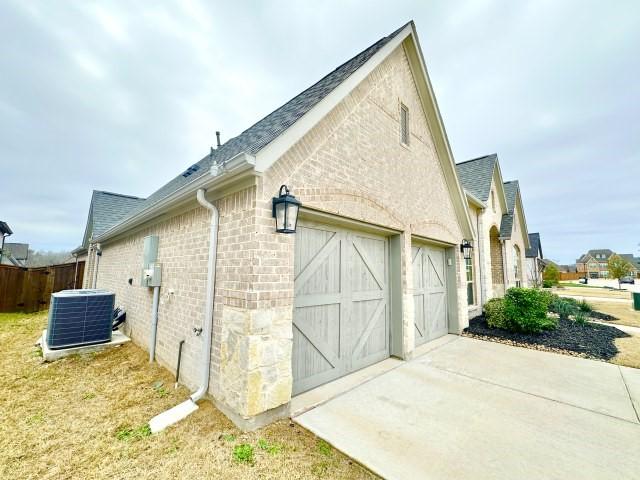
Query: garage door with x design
[[429, 292], [341, 307]]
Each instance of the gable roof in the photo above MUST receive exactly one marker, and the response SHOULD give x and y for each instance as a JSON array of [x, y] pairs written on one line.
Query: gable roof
[[106, 210], [536, 246], [261, 144], [592, 254], [510, 192], [5, 229], [19, 251], [476, 175], [261, 133]]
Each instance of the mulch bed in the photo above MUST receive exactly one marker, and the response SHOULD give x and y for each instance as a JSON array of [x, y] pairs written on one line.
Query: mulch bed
[[589, 340], [601, 316]]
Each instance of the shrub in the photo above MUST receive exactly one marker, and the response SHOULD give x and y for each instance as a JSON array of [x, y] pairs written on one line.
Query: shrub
[[526, 310], [580, 317], [547, 284], [585, 307], [551, 274], [564, 307], [494, 313]]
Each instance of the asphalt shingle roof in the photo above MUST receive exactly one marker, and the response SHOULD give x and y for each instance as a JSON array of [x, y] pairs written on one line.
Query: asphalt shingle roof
[[107, 209], [534, 241], [510, 192], [476, 175], [270, 127]]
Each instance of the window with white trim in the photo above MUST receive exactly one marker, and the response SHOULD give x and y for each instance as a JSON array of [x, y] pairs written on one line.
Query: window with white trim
[[470, 286], [404, 125]]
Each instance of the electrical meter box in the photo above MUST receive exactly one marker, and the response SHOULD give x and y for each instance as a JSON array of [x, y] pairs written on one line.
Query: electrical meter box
[[151, 271]]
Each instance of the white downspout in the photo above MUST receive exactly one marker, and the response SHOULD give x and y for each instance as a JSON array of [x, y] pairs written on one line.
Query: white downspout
[[211, 286], [95, 268], [182, 410]]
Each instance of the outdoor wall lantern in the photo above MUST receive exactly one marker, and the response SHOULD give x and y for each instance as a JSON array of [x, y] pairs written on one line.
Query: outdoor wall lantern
[[285, 211], [466, 247]]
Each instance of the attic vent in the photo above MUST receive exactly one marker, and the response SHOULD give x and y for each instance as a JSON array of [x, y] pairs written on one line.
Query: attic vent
[[192, 169], [404, 125]]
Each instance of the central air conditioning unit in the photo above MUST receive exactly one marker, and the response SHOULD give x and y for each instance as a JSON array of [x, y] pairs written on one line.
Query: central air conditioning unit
[[80, 317]]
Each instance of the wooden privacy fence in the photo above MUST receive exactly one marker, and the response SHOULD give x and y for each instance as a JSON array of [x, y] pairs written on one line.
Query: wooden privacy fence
[[30, 289], [571, 275]]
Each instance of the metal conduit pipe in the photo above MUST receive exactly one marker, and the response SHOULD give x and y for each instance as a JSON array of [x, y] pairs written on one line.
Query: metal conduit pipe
[[154, 324]]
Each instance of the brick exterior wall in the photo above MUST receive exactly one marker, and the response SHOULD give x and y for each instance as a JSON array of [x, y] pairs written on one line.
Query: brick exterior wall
[[350, 164]]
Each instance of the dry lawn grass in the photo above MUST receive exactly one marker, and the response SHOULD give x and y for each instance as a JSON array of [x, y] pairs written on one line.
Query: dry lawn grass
[[629, 349], [84, 417], [623, 311], [594, 292]]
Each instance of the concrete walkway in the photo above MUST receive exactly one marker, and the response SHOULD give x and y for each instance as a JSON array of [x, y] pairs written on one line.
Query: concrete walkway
[[480, 410]]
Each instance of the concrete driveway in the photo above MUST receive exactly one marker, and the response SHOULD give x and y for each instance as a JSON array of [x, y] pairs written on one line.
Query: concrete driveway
[[482, 410]]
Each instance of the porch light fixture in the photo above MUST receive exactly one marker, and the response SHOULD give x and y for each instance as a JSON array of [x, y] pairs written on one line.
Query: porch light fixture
[[466, 247], [285, 211]]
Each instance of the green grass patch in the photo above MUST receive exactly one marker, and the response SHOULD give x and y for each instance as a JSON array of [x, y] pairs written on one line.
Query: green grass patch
[[126, 433], [324, 448], [243, 453], [270, 448]]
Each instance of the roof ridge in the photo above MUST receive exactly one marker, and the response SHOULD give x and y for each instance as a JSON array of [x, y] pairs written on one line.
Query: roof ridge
[[478, 158], [119, 194]]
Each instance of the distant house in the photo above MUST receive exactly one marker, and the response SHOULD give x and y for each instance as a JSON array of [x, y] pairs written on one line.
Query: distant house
[[595, 263], [534, 259], [106, 209], [15, 254], [634, 261], [5, 231]]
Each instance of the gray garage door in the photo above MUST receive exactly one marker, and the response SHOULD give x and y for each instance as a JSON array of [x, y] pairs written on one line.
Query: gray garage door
[[430, 292], [341, 314]]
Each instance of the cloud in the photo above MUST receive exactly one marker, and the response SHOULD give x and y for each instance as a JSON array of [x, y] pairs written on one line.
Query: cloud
[[122, 96]]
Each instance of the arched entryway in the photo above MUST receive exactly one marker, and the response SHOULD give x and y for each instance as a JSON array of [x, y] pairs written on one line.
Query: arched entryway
[[497, 271]]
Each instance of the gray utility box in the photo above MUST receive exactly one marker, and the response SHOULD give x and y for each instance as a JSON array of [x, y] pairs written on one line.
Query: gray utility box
[[151, 272]]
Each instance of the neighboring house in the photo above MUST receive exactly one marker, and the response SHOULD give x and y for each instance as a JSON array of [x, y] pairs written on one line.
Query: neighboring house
[[15, 254], [535, 257], [106, 210], [374, 269], [500, 231], [595, 263], [634, 262], [5, 231]]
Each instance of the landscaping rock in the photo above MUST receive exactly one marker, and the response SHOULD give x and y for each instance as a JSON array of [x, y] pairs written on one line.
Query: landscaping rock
[[588, 340]]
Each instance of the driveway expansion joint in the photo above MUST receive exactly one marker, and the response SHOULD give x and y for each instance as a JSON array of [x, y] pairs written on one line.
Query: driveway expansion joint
[[633, 405]]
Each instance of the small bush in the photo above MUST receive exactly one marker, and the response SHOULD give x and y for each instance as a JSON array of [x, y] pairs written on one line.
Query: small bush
[[547, 284], [494, 313], [526, 310], [564, 307], [585, 307], [580, 317], [243, 453]]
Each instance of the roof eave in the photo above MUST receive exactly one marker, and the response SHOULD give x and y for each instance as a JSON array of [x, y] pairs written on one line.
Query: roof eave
[[475, 200], [239, 166]]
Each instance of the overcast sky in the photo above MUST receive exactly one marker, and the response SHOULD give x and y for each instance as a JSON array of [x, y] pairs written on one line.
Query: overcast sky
[[123, 96]]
